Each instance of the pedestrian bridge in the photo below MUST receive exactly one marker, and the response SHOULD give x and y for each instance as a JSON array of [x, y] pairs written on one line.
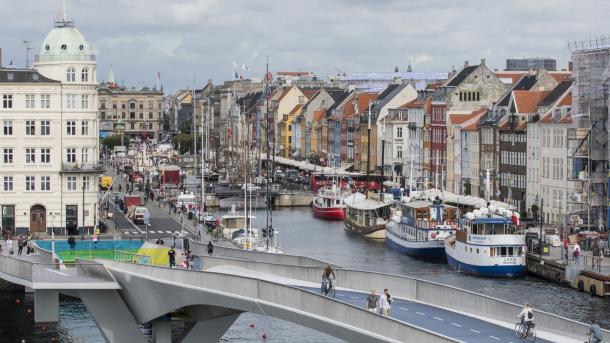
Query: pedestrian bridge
[[122, 295]]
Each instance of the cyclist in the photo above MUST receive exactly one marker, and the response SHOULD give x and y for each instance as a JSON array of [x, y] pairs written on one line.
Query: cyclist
[[527, 319], [595, 333], [328, 275]]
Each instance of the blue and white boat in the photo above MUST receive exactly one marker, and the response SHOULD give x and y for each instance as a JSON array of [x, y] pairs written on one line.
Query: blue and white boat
[[489, 242], [420, 227]]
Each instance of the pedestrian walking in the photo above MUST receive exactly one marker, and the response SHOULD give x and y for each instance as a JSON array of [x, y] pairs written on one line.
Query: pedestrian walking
[[72, 244], [385, 301], [172, 257], [95, 239], [210, 248], [565, 248], [601, 245], [372, 302], [576, 253], [20, 245], [29, 247]]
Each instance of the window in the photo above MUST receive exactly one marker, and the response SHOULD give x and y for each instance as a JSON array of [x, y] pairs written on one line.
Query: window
[[45, 127], [45, 155], [150, 126], [8, 128], [8, 155], [84, 75], [84, 155], [8, 183], [45, 101], [30, 183], [399, 151], [71, 128], [30, 155], [132, 115], [141, 115], [71, 75], [84, 101], [70, 101], [71, 155], [150, 115], [84, 128], [30, 101], [71, 183], [86, 183], [45, 183], [399, 132], [132, 126], [30, 128], [7, 101]]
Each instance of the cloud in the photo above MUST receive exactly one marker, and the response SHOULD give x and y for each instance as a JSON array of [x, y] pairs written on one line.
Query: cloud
[[180, 38]]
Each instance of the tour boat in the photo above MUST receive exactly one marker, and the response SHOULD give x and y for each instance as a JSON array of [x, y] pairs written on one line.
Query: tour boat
[[489, 242], [368, 216], [328, 204], [419, 228]]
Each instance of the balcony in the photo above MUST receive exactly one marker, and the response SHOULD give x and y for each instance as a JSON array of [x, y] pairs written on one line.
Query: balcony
[[81, 168]]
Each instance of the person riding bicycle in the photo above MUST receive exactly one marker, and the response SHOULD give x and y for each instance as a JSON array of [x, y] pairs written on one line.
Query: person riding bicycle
[[527, 318], [328, 275], [595, 333]]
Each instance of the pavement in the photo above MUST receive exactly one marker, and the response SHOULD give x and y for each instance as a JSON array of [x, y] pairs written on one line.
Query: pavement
[[586, 258], [449, 323]]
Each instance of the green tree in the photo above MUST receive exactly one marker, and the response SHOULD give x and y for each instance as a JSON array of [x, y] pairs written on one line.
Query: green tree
[[110, 142], [166, 126]]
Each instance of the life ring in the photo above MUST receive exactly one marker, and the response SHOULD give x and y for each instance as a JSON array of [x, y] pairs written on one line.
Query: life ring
[[433, 235]]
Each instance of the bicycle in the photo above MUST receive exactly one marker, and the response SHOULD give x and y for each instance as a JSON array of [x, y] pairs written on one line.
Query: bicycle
[[530, 335], [328, 289]]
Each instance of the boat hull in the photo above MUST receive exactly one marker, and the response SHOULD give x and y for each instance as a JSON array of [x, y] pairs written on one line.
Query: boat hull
[[332, 213], [427, 250], [372, 232], [494, 271]]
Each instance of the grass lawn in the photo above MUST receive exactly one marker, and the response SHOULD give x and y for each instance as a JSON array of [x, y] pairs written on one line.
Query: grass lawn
[[69, 256]]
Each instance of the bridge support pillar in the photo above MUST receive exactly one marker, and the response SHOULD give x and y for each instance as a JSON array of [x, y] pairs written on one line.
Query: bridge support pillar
[[161, 331], [208, 331], [112, 316], [46, 306]]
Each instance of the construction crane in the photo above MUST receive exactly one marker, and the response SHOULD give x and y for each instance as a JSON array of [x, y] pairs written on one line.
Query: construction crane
[[341, 72], [27, 53]]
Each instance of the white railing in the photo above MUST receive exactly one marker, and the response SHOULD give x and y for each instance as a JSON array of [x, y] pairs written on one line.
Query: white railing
[[124, 256]]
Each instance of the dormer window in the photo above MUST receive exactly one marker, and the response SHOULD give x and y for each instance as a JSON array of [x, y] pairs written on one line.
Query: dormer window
[[47, 47], [81, 47], [71, 75], [64, 47]]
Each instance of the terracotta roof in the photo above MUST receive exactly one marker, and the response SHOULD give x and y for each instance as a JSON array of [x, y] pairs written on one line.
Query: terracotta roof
[[548, 118], [566, 119], [527, 101], [363, 99], [296, 109], [294, 73], [566, 101], [561, 75], [309, 92], [475, 119], [514, 76], [318, 115], [522, 126], [456, 119], [415, 103]]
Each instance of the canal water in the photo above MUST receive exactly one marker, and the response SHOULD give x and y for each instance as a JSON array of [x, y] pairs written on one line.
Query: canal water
[[302, 234]]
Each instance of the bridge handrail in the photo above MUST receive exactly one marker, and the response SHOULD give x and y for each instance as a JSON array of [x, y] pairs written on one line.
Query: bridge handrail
[[200, 249], [281, 297], [16, 268], [125, 256], [429, 292]]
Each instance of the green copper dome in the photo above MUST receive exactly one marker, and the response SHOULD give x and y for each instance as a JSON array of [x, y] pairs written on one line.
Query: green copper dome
[[65, 43]]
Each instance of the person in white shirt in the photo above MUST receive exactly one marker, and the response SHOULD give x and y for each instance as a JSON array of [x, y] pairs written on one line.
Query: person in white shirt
[[527, 317], [576, 253], [384, 303]]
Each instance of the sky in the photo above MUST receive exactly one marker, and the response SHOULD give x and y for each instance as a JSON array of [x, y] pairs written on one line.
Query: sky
[[191, 41]]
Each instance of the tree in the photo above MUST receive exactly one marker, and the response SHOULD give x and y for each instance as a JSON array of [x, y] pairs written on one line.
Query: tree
[[166, 126], [109, 142], [184, 142]]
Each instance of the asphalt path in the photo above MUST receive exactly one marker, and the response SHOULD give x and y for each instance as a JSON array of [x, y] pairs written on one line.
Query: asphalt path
[[445, 322]]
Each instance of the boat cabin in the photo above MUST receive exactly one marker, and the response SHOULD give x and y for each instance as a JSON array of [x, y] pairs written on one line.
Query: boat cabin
[[426, 214]]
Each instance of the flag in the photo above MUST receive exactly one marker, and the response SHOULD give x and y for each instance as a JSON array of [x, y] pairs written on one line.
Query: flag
[[515, 219], [229, 132], [235, 71]]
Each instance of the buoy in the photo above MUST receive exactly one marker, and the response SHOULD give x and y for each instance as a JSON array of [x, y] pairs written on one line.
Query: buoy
[[252, 325]]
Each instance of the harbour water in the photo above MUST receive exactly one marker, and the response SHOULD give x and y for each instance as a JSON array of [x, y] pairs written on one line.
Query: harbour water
[[302, 234]]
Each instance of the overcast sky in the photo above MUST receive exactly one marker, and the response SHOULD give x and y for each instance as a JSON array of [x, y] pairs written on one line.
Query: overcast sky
[[200, 39]]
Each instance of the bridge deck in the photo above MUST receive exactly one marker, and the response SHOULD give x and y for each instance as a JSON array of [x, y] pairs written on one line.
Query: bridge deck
[[448, 323]]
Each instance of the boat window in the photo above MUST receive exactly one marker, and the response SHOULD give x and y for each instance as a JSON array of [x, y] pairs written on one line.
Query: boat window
[[503, 251], [470, 250], [465, 249], [477, 251], [520, 251], [510, 251], [492, 252]]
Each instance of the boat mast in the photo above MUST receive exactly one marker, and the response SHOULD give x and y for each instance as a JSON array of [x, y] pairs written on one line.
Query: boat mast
[[269, 165]]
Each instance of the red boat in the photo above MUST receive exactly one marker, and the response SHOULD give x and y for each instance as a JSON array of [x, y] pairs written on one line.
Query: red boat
[[328, 204]]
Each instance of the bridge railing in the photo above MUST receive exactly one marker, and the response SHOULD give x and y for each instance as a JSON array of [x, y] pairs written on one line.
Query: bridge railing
[[16, 268], [77, 273], [432, 293], [125, 256], [201, 249]]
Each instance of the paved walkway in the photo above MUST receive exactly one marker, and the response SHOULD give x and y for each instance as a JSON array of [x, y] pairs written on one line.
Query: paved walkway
[[445, 322], [585, 260]]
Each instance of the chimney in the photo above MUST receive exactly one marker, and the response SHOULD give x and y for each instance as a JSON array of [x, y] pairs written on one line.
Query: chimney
[[482, 61], [465, 63]]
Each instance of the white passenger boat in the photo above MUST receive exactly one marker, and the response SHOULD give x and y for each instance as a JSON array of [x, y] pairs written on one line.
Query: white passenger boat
[[489, 242], [368, 216]]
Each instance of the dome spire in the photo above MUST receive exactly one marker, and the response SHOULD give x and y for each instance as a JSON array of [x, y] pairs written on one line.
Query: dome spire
[[62, 19]]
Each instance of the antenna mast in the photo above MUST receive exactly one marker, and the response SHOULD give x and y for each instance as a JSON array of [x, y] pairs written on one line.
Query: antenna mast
[[27, 53]]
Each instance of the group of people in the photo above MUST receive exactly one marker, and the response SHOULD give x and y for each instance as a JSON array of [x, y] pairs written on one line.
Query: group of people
[[23, 242], [598, 249]]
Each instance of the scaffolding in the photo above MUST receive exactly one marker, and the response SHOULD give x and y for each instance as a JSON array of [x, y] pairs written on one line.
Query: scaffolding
[[591, 72]]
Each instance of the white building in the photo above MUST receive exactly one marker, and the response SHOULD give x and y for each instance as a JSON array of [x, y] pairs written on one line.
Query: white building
[[49, 137]]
